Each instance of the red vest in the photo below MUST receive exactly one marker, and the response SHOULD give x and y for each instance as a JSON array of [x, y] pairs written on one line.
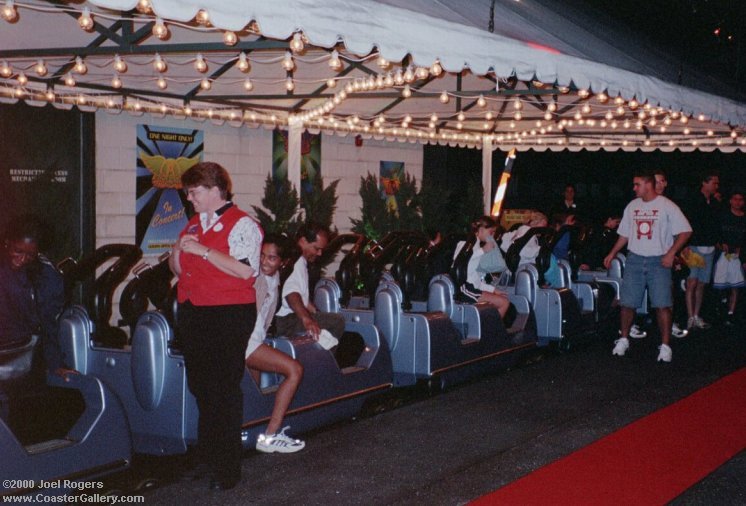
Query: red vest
[[201, 282]]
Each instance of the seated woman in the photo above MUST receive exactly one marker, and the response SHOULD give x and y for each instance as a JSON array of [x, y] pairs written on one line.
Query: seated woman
[[260, 357], [532, 248], [486, 258]]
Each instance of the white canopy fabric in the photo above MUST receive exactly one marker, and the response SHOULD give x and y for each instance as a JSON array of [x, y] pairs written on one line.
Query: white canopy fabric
[[420, 33]]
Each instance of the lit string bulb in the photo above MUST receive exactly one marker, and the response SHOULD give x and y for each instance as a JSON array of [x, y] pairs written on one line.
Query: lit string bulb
[[5, 69], [287, 62], [80, 66], [40, 68], [205, 84], [22, 79], [160, 29], [406, 91], [334, 62], [143, 6], [119, 64], [289, 84], [162, 84], [202, 17], [116, 82], [200, 65], [9, 12], [85, 20], [444, 98], [436, 69], [49, 95], [69, 80], [159, 64], [243, 63], [296, 43], [230, 38], [248, 85], [481, 102]]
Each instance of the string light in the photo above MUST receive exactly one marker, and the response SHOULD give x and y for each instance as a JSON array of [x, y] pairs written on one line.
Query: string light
[[143, 6], [119, 64], [289, 84], [5, 69], [248, 85], [296, 44], [160, 29], [230, 38], [444, 98], [289, 65], [9, 12], [331, 83], [162, 84], [80, 66], [159, 64], [334, 62], [205, 84], [69, 81], [116, 82], [49, 95], [22, 79], [383, 63], [243, 63], [422, 73], [202, 17], [408, 75], [481, 102], [406, 91], [200, 64], [40, 68], [85, 20]]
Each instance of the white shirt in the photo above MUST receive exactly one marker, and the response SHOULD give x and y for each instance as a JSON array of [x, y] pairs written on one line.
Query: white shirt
[[650, 226], [244, 241], [529, 252], [296, 283]]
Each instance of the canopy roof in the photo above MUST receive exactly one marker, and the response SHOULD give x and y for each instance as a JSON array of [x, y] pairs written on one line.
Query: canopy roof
[[411, 70]]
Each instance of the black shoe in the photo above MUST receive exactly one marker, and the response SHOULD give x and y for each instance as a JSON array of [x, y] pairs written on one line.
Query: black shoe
[[223, 484]]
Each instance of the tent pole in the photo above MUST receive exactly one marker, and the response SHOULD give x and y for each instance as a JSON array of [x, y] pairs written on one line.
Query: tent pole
[[295, 131], [487, 173]]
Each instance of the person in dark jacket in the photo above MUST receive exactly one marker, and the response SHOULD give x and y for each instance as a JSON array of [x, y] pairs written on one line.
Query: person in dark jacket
[[703, 214], [31, 293]]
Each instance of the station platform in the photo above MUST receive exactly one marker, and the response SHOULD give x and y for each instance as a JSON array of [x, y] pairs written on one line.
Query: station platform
[[415, 446]]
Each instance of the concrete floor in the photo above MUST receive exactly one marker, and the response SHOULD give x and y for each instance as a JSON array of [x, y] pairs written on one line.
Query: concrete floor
[[414, 447]]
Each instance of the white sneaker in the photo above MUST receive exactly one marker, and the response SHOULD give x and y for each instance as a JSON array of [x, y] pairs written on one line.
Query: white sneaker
[[636, 332], [677, 331], [700, 323], [666, 354], [279, 442], [622, 344]]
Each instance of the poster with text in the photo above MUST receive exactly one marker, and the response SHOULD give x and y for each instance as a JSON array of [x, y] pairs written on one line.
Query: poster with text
[[163, 155], [391, 177], [310, 160]]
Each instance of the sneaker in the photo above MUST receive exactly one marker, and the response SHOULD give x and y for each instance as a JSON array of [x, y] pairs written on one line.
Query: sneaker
[[472, 296], [666, 354], [677, 331], [691, 323], [636, 332], [279, 442], [621, 346], [700, 323]]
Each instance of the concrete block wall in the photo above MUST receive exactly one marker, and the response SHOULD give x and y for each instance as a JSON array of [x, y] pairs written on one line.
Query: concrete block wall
[[245, 152]]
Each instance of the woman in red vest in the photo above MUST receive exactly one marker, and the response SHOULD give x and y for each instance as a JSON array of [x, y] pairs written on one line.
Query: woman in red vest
[[216, 259]]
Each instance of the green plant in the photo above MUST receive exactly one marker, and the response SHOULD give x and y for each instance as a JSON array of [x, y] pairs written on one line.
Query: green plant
[[378, 218], [281, 200], [320, 204]]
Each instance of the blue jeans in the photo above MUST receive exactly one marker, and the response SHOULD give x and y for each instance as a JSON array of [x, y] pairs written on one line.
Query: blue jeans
[[645, 272]]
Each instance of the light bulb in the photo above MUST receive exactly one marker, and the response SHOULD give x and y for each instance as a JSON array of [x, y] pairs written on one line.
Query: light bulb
[[287, 62], [9, 12], [143, 6], [436, 69], [49, 95], [160, 29], [22, 79], [80, 66], [202, 17], [230, 38], [461, 116], [334, 62], [517, 104], [518, 116], [406, 91], [398, 77], [422, 73], [5, 69], [188, 110], [200, 64], [383, 63], [296, 44], [162, 84], [116, 82], [243, 63], [481, 102], [586, 109], [289, 84], [205, 84], [388, 81], [489, 116], [408, 75], [444, 98], [331, 82], [159, 64], [119, 64], [552, 106], [434, 118], [40, 68], [85, 20], [69, 81], [248, 85], [583, 93], [633, 104]]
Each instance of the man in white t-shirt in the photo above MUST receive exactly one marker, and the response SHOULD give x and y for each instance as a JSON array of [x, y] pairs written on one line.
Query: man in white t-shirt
[[654, 229]]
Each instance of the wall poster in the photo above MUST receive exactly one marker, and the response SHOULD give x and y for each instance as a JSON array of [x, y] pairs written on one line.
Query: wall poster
[[163, 155], [391, 177], [310, 161]]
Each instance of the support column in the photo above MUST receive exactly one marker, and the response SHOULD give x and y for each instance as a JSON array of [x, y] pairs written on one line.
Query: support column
[[295, 130], [487, 172]]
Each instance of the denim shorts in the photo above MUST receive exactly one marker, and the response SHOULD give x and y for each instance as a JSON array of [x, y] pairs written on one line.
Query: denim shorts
[[645, 272], [703, 274]]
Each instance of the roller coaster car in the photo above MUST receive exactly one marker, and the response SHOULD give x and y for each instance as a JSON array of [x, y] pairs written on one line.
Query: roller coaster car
[[94, 441], [150, 381], [449, 341]]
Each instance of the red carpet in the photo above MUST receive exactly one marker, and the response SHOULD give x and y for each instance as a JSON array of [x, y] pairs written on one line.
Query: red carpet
[[650, 461]]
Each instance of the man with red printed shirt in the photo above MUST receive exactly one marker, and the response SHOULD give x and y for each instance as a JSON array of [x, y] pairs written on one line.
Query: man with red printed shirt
[[216, 259], [654, 229]]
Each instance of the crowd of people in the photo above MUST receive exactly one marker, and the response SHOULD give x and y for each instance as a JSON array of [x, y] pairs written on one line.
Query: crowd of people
[[229, 290]]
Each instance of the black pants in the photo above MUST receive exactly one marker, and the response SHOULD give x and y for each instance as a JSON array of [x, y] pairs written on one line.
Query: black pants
[[213, 340]]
